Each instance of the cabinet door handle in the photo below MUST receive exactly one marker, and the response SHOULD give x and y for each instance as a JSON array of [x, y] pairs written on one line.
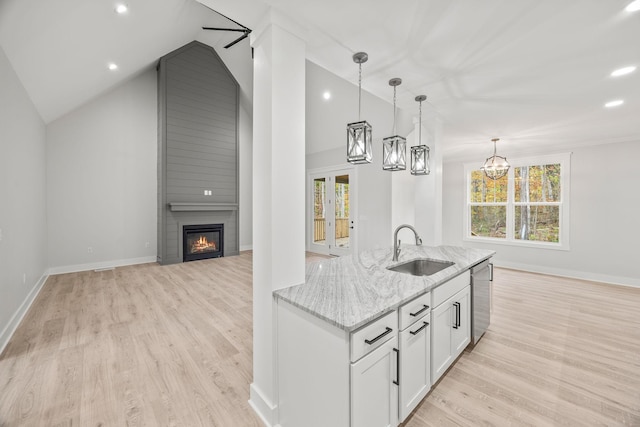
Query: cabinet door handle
[[424, 307], [456, 306], [397, 381], [387, 332], [424, 325]]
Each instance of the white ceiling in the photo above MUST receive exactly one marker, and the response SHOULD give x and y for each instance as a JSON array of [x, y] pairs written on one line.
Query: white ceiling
[[535, 73]]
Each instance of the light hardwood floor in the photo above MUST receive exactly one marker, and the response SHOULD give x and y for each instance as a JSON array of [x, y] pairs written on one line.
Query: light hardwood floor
[[172, 346]]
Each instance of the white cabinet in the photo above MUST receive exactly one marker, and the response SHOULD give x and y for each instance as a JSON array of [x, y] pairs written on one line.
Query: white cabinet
[[375, 375], [461, 330], [415, 356], [415, 367], [450, 331], [374, 390]]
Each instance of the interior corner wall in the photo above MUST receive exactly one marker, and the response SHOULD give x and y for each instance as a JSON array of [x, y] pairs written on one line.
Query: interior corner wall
[[23, 223], [102, 181], [605, 208]]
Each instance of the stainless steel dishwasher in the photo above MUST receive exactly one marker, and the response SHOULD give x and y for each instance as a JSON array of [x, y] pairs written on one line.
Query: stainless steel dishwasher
[[481, 276]]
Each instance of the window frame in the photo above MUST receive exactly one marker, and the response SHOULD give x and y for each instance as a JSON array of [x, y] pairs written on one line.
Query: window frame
[[564, 159]]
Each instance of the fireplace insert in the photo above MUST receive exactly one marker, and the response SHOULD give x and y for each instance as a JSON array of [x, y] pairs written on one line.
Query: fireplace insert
[[202, 241]]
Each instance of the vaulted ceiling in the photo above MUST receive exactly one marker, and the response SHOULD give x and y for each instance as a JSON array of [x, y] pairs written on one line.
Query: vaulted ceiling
[[535, 73]]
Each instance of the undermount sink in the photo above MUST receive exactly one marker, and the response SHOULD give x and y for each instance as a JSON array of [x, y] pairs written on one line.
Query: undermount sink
[[421, 267]]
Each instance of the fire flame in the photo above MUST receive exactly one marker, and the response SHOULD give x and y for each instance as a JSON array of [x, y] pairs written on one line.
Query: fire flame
[[202, 245]]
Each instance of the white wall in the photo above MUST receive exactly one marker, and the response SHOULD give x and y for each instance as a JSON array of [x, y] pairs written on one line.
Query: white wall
[[417, 200], [605, 210], [23, 236], [102, 179], [326, 135]]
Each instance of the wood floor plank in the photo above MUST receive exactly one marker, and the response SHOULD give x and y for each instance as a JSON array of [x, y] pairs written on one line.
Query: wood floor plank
[[152, 345]]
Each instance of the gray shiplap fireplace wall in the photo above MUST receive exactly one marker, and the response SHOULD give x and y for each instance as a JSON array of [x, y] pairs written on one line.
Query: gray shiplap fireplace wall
[[197, 148]]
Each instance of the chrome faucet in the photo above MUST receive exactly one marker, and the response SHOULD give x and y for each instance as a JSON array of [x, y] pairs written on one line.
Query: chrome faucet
[[396, 242]]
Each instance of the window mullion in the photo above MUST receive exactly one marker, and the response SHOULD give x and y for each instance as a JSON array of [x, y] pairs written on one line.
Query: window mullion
[[510, 204]]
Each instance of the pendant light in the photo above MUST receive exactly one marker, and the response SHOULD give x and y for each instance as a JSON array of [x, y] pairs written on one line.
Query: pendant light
[[420, 153], [394, 147], [359, 133], [495, 167]]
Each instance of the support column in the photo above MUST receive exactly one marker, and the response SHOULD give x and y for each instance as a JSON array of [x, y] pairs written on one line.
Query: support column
[[278, 190]]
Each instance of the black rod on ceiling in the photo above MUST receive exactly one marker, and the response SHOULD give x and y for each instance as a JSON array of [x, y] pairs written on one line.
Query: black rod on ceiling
[[245, 30]]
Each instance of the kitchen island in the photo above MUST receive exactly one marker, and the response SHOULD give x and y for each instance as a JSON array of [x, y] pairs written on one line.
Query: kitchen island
[[355, 341]]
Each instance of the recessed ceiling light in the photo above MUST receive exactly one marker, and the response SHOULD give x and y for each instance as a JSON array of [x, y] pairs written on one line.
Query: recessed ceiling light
[[121, 8], [623, 71], [326, 95], [112, 66], [633, 6], [615, 103]]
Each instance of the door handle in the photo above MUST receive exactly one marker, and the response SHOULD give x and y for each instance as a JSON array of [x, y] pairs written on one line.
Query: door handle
[[397, 381], [456, 306]]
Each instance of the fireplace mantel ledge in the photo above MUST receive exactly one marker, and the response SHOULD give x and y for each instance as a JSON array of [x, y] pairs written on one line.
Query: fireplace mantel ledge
[[194, 206]]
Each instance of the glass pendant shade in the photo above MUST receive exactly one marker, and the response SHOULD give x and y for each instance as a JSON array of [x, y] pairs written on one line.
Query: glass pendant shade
[[359, 142], [394, 153], [495, 167], [420, 160]]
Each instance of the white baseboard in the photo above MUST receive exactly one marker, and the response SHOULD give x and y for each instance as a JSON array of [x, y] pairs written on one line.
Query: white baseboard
[[11, 327], [101, 265], [246, 248], [573, 274], [262, 406]]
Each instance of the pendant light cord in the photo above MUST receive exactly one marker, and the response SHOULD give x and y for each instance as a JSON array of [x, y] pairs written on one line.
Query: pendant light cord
[[359, 88], [394, 111], [420, 126]]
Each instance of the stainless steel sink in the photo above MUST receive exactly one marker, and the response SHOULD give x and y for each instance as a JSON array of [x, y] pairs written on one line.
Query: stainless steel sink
[[421, 267]]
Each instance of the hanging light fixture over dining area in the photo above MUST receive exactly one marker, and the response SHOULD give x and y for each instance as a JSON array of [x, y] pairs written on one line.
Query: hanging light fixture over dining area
[[495, 167]]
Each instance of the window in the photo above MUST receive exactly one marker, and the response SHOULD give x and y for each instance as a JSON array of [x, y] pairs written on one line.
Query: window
[[529, 206]]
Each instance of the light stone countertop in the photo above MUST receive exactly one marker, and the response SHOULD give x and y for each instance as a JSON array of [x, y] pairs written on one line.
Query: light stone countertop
[[350, 291]]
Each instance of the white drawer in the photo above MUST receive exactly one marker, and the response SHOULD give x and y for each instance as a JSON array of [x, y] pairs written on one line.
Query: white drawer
[[414, 310], [450, 288], [373, 335]]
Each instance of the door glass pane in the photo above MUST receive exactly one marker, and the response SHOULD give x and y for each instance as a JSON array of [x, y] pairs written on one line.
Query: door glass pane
[[319, 217], [342, 211]]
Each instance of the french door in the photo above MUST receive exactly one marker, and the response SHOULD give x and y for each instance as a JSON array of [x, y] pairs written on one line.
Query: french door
[[332, 211]]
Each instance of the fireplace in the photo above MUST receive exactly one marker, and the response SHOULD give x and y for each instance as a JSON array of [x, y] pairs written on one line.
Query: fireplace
[[202, 241]]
